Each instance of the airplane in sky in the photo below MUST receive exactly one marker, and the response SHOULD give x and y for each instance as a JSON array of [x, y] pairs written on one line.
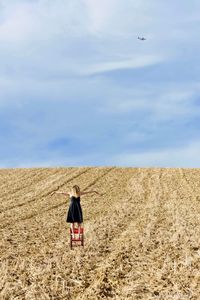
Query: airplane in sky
[[141, 38]]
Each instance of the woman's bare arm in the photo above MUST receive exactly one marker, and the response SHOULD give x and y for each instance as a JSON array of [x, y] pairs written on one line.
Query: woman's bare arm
[[83, 193], [61, 193]]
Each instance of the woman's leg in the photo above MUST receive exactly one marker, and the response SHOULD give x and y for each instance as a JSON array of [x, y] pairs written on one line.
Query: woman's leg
[[72, 229]]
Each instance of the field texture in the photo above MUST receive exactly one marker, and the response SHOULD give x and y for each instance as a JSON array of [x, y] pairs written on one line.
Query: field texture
[[142, 237]]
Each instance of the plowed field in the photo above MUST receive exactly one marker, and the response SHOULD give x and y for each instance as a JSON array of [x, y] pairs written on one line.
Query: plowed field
[[142, 237]]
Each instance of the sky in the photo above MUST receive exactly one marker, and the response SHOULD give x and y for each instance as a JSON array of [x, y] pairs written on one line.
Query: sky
[[78, 88]]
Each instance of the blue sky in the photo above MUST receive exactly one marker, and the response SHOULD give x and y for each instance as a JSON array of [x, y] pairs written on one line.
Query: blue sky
[[77, 88]]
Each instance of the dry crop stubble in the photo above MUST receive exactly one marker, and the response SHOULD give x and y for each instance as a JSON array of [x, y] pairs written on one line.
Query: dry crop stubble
[[45, 220], [141, 236], [37, 200], [30, 185]]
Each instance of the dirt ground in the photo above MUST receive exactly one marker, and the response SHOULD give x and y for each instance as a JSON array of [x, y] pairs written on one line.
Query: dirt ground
[[142, 237]]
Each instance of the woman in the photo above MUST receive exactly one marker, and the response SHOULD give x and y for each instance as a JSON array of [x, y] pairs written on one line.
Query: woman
[[75, 214]]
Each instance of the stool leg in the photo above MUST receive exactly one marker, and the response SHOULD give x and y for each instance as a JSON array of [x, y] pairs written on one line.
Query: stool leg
[[82, 240], [70, 239], [79, 230]]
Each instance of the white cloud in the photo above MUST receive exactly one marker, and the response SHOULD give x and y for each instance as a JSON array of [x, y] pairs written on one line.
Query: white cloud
[[175, 104], [25, 22], [119, 18], [165, 103], [133, 63], [18, 23], [85, 37], [99, 14], [184, 157]]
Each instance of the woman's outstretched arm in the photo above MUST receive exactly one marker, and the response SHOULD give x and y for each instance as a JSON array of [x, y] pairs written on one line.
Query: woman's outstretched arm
[[61, 193], [83, 193]]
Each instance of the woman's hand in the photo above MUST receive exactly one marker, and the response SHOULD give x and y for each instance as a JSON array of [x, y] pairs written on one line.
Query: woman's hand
[[100, 194]]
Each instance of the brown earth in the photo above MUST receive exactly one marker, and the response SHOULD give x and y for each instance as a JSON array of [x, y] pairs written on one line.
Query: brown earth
[[142, 237]]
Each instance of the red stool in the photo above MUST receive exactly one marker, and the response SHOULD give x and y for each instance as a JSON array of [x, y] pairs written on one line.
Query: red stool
[[76, 241]]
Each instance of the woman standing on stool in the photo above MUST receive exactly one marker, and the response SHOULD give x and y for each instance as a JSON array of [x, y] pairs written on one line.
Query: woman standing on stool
[[75, 214]]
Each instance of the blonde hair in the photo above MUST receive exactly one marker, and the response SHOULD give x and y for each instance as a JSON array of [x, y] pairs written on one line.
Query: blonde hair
[[75, 190]]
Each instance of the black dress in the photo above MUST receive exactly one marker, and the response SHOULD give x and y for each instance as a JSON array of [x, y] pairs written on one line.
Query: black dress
[[75, 211]]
